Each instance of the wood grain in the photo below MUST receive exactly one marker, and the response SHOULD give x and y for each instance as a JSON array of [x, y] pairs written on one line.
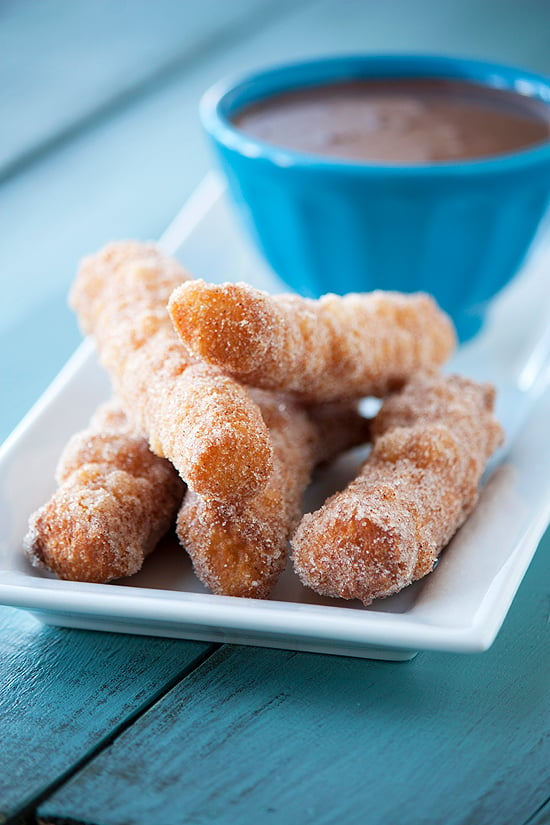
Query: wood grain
[[258, 735], [64, 693]]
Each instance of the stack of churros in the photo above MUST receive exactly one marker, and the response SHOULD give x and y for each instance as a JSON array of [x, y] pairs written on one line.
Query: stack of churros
[[227, 398]]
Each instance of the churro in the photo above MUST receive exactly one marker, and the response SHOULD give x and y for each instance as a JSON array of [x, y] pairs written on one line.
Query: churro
[[114, 502], [421, 480], [241, 549], [334, 348], [202, 420]]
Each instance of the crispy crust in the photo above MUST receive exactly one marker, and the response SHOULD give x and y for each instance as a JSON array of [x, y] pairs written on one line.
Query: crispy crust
[[114, 502], [189, 412], [418, 485], [334, 348], [241, 549]]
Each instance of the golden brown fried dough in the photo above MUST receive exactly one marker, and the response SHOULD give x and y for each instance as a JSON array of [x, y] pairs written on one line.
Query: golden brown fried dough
[[241, 549], [334, 348], [419, 483], [114, 502], [203, 421]]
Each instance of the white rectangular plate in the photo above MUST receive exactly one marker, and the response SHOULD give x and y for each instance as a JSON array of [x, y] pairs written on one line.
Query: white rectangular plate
[[459, 607]]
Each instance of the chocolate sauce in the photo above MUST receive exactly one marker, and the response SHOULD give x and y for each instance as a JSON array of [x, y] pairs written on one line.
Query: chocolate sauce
[[401, 120]]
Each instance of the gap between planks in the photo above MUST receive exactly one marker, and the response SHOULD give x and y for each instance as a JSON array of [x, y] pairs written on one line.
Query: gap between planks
[[541, 816], [26, 815]]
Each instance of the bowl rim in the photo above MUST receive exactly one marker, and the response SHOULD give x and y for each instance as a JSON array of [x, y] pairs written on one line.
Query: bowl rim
[[232, 93]]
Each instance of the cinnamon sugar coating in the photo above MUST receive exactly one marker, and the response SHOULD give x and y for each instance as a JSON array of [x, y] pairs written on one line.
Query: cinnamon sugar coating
[[334, 348], [419, 483], [114, 502], [190, 412], [241, 549]]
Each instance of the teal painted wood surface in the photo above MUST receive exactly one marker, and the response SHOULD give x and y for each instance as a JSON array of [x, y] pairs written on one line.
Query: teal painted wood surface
[[271, 736], [64, 63], [64, 693]]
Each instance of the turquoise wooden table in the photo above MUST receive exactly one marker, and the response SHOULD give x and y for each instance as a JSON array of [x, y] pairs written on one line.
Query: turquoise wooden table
[[99, 139]]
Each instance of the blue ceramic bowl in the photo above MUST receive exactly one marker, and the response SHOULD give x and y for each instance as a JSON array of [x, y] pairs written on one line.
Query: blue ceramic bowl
[[458, 230]]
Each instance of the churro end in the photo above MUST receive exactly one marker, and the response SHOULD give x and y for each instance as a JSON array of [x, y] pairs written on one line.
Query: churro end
[[222, 324]]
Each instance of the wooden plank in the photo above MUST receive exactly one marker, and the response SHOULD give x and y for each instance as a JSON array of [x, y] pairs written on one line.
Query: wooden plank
[[259, 735], [64, 62], [64, 693]]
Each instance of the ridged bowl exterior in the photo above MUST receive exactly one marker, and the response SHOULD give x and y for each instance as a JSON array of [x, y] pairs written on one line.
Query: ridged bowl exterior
[[458, 231]]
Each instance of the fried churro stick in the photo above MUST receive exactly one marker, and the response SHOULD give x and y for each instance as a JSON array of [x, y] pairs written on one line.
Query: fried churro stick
[[202, 420], [418, 485], [333, 348], [241, 549], [114, 502]]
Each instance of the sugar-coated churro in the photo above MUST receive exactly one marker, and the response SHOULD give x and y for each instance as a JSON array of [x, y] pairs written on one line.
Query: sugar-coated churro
[[202, 420], [419, 483], [334, 348], [241, 549], [114, 502]]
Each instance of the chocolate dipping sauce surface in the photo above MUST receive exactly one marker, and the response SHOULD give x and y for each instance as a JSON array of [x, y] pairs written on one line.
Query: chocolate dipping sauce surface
[[407, 120]]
